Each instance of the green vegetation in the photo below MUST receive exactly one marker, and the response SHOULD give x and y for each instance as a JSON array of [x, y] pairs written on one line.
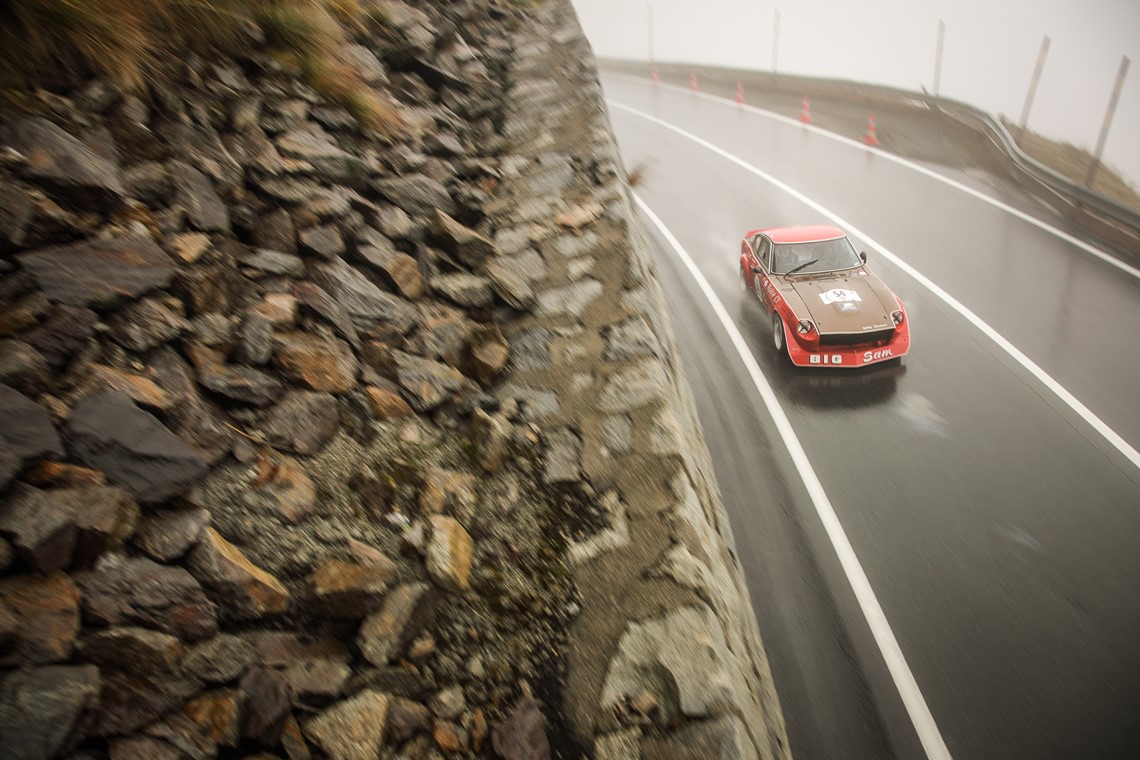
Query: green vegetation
[[139, 43]]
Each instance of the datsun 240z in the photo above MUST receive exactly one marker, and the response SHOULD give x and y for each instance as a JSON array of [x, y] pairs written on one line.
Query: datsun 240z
[[827, 309]]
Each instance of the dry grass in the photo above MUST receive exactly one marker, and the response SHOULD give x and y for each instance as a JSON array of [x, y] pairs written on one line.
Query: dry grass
[[1073, 162], [135, 43]]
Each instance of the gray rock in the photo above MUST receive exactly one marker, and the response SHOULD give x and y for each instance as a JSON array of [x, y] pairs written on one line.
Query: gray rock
[[563, 456], [219, 660], [39, 708], [364, 302], [530, 350], [109, 433], [17, 210], [369, 67], [469, 290], [522, 736], [448, 703], [352, 729], [443, 334], [146, 324], [65, 166], [724, 738], [41, 530], [274, 262], [195, 193], [510, 285], [148, 182], [128, 701], [198, 422], [324, 241], [462, 242], [99, 272], [416, 194], [630, 339], [619, 745], [633, 387], [570, 299], [21, 366], [406, 610], [406, 719], [63, 335], [552, 174], [237, 382], [313, 665], [138, 591], [167, 535], [311, 145], [248, 591], [304, 421], [131, 649], [425, 383], [394, 222], [315, 300], [617, 434]]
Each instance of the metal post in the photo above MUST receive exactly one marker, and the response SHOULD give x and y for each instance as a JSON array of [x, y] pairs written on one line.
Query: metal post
[[1033, 85], [938, 55], [776, 43], [1116, 88]]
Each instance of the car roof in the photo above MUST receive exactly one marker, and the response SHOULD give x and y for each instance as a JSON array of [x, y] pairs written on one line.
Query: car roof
[[806, 234]]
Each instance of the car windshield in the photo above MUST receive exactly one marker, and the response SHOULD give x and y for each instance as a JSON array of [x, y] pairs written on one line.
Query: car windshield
[[820, 256]]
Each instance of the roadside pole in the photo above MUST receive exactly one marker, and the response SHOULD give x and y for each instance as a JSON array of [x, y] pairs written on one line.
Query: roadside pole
[[938, 55], [1033, 86], [1120, 74]]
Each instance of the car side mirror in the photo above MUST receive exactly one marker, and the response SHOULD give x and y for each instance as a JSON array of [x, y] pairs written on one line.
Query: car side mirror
[[863, 256], [757, 270]]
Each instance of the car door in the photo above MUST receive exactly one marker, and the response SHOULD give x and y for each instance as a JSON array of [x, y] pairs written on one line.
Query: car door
[[762, 280]]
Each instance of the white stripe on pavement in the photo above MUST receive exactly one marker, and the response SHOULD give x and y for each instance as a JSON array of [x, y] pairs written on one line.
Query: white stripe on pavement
[[1110, 435], [903, 679], [1070, 239]]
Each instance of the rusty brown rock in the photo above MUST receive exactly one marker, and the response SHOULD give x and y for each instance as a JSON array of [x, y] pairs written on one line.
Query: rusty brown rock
[[165, 536], [217, 716], [447, 491], [247, 591], [287, 487], [386, 403], [449, 554], [319, 364], [347, 590], [280, 309], [467, 244], [449, 737], [63, 475], [47, 609], [488, 354], [398, 270], [312, 667]]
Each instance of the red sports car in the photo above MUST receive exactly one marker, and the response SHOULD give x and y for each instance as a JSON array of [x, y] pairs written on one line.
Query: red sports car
[[827, 309]]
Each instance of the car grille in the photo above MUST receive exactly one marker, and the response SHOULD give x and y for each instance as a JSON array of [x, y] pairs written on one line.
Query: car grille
[[851, 339]]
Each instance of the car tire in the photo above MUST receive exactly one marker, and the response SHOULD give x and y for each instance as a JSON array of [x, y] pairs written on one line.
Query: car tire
[[744, 281], [779, 338]]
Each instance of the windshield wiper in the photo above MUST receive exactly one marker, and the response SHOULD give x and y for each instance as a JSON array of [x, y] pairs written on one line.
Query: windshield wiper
[[801, 266]]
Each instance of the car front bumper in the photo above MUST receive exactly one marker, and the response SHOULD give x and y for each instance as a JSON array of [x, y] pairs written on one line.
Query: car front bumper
[[851, 356]]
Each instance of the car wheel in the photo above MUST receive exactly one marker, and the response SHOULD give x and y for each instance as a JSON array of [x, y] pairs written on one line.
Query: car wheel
[[778, 338], [743, 281]]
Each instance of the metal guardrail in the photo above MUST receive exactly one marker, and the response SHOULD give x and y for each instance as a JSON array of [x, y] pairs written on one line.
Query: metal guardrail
[[1058, 183]]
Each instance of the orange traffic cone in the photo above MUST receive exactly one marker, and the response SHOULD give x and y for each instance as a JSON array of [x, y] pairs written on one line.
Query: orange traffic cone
[[693, 85], [739, 92], [805, 111], [871, 136], [653, 75]]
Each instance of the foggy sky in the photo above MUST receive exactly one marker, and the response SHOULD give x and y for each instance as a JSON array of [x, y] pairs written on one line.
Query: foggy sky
[[988, 58]]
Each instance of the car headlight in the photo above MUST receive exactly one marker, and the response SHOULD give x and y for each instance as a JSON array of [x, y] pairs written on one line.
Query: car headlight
[[804, 327], [897, 317]]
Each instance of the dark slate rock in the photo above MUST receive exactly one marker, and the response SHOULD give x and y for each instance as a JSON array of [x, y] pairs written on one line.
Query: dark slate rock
[[320, 303], [146, 324], [304, 421], [138, 591], [99, 272], [417, 194], [268, 699], [21, 366], [276, 232], [211, 289], [198, 422], [195, 193], [220, 659], [273, 262], [149, 182], [324, 241], [39, 708], [466, 244], [17, 210], [63, 335], [399, 270], [42, 530], [442, 334], [10, 466], [254, 340], [425, 383], [237, 382], [127, 701], [27, 430], [463, 289], [65, 166], [365, 302], [522, 736], [109, 433]]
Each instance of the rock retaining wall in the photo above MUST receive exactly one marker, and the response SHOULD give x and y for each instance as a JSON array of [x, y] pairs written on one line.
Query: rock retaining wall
[[317, 443]]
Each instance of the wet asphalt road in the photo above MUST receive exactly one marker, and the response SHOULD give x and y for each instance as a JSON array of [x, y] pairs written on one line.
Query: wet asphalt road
[[999, 530]]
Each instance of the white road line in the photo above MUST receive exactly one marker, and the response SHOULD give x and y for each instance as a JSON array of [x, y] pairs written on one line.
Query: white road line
[[904, 681], [1070, 239], [1110, 435]]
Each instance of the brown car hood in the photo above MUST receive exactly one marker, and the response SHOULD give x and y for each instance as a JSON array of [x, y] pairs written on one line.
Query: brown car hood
[[851, 302]]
